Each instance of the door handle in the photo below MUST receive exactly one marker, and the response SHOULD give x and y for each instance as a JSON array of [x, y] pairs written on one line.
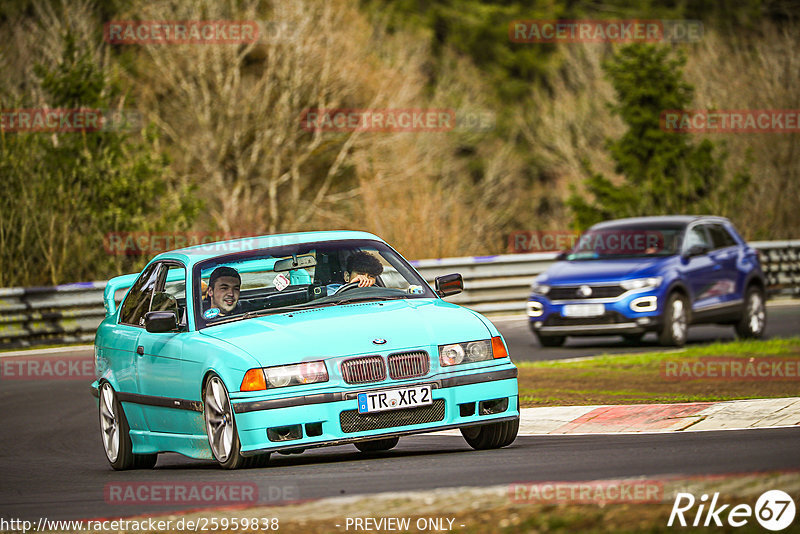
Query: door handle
[[140, 350]]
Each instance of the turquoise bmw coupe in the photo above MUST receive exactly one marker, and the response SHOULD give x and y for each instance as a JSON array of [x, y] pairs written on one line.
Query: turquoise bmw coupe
[[234, 350]]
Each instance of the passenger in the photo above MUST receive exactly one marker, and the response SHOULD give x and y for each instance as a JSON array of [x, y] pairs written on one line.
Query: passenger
[[224, 285], [363, 268]]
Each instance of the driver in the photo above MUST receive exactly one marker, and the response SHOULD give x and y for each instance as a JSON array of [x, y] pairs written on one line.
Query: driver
[[224, 285], [362, 268]]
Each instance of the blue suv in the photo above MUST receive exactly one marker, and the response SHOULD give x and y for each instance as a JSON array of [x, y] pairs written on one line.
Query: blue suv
[[632, 276]]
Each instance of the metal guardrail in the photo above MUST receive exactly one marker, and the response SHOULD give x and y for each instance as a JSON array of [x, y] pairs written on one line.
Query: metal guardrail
[[493, 285]]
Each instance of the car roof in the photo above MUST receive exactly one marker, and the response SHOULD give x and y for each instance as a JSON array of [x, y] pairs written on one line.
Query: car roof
[[197, 253], [675, 220]]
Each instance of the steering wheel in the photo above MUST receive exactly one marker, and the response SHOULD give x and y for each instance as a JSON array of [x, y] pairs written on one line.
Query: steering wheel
[[346, 287]]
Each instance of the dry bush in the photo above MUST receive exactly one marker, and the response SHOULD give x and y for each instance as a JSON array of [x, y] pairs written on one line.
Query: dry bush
[[567, 126], [419, 194], [757, 73], [232, 114]]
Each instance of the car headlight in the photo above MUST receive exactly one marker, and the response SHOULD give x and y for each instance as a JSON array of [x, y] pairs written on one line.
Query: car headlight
[[296, 374], [641, 283], [540, 289], [472, 351]]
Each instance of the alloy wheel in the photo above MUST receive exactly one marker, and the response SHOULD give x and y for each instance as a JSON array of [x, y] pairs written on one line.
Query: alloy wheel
[[219, 419], [109, 423]]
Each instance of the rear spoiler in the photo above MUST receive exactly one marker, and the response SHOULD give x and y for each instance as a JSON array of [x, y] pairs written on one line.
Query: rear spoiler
[[116, 284]]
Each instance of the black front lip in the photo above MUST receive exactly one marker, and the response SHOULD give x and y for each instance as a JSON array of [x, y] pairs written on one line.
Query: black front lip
[[390, 434], [320, 398]]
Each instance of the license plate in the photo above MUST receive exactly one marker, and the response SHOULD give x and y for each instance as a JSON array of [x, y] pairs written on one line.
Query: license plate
[[583, 310], [394, 399]]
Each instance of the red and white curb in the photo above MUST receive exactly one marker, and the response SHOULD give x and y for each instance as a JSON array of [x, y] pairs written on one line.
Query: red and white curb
[[649, 418]]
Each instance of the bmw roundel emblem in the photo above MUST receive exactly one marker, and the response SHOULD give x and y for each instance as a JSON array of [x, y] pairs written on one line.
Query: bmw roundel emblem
[[379, 341], [585, 291]]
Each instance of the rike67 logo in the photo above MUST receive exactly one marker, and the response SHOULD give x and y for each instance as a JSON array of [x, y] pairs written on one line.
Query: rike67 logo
[[774, 510]]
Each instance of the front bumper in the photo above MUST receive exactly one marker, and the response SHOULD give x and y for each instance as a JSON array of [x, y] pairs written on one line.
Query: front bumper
[[332, 418], [620, 315]]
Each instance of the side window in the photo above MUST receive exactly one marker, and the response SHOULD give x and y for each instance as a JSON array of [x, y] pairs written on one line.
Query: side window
[[137, 303], [175, 285], [173, 297], [697, 236], [720, 236]]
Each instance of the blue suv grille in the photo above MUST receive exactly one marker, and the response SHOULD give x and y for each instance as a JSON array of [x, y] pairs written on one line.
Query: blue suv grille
[[572, 293], [609, 317]]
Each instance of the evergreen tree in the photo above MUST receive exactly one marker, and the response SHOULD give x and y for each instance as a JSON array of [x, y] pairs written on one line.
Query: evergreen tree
[[664, 172]]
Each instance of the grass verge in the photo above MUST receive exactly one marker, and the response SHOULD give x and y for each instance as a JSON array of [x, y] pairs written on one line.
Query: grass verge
[[643, 379]]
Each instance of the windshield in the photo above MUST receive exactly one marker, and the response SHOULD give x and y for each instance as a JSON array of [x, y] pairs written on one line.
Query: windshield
[[308, 275], [627, 242]]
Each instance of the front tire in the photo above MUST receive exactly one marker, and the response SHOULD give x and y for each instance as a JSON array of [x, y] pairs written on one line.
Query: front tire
[[550, 341], [491, 435], [116, 434], [675, 329], [754, 315], [633, 338], [223, 436], [377, 445]]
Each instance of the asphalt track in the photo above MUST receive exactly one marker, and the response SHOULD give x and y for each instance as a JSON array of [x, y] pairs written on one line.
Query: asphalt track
[[52, 463], [53, 466]]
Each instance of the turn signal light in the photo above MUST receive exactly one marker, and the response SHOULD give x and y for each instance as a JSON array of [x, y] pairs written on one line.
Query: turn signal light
[[254, 380], [499, 348]]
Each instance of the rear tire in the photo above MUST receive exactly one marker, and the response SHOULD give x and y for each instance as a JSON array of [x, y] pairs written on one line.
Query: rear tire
[[376, 445], [754, 315], [550, 341], [116, 434], [675, 327], [491, 435]]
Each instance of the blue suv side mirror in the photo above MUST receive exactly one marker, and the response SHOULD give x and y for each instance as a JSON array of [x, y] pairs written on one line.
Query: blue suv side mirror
[[696, 250]]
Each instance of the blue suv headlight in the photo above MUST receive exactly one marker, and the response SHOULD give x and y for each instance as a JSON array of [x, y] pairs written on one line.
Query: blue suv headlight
[[540, 289], [642, 283]]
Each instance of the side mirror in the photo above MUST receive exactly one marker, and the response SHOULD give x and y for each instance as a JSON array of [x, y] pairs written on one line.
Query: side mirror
[[159, 322], [696, 250], [562, 255], [449, 284]]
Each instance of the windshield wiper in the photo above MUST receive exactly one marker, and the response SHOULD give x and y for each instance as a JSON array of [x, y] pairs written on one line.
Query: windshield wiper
[[284, 309], [365, 297]]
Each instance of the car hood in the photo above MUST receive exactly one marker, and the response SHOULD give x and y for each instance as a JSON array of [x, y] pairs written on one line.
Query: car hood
[[596, 271], [350, 329]]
